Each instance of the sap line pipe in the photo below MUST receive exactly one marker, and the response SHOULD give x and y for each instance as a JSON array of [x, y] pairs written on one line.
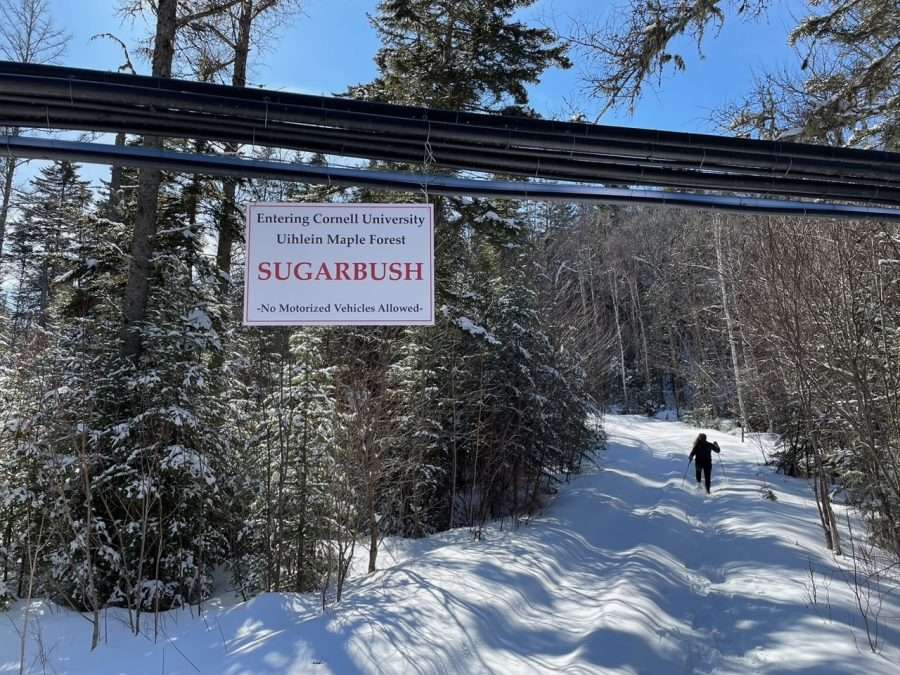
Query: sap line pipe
[[64, 90], [21, 107], [594, 172], [52, 110], [462, 161], [473, 135], [552, 127], [543, 170], [331, 117], [41, 148]]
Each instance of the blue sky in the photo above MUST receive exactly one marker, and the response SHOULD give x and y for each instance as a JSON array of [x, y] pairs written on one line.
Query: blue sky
[[331, 44]]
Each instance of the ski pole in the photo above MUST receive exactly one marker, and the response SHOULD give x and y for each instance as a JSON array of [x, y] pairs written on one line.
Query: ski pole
[[685, 473]]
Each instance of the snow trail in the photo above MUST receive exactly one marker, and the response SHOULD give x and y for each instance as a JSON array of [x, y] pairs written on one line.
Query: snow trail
[[627, 571]]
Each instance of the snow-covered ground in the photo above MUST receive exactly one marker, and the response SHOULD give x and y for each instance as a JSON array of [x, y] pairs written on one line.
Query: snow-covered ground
[[628, 571]]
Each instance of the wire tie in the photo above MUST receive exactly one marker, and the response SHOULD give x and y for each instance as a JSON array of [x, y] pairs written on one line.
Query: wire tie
[[267, 113], [71, 97], [703, 159], [790, 166], [428, 156]]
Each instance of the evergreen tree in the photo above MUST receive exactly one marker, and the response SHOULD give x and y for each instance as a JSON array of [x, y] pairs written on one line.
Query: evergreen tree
[[458, 54], [43, 236]]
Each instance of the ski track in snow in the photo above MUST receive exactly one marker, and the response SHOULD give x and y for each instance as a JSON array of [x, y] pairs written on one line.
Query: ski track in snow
[[627, 571]]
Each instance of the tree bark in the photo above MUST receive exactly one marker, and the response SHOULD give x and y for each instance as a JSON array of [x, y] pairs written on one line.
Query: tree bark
[[9, 170], [645, 350], [615, 298], [228, 214], [114, 202], [136, 290], [729, 323]]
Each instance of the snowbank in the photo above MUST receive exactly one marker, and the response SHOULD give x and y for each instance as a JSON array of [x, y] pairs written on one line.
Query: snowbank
[[630, 570]]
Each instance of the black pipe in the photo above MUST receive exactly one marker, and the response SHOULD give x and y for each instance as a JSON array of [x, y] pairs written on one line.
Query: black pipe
[[264, 111], [551, 127], [109, 117], [490, 162], [39, 148]]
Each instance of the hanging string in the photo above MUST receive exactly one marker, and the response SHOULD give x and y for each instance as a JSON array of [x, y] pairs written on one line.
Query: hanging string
[[428, 161]]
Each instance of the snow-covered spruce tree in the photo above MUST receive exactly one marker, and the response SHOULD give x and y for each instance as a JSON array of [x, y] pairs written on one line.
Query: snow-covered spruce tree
[[284, 421], [62, 400], [419, 471], [532, 400], [163, 490], [29, 35], [9, 424], [458, 56], [44, 234], [287, 457]]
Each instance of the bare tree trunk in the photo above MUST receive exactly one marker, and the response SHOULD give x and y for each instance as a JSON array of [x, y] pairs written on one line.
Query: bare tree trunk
[[729, 323], [615, 293], [636, 300], [137, 288], [9, 169], [823, 503], [673, 360], [115, 202], [373, 529], [88, 551], [227, 217], [453, 442], [303, 499], [33, 556]]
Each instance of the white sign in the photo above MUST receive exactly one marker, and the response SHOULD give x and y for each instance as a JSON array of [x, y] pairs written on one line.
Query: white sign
[[339, 264]]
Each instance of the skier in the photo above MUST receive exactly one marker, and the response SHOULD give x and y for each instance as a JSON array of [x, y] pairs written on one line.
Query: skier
[[703, 450]]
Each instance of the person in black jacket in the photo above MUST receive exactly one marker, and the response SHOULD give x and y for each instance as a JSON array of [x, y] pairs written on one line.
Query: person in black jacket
[[703, 450]]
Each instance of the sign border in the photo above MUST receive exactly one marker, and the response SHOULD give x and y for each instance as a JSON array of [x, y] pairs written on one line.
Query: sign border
[[248, 209]]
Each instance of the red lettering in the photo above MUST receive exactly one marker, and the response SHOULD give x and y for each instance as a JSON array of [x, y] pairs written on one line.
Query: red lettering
[[341, 271], [409, 271], [324, 272], [287, 273]]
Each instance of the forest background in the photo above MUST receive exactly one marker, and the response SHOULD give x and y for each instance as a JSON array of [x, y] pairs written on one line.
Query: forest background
[[148, 442]]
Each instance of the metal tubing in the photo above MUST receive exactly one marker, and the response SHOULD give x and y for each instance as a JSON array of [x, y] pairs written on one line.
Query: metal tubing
[[39, 148], [497, 122], [485, 161], [118, 117], [882, 164]]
